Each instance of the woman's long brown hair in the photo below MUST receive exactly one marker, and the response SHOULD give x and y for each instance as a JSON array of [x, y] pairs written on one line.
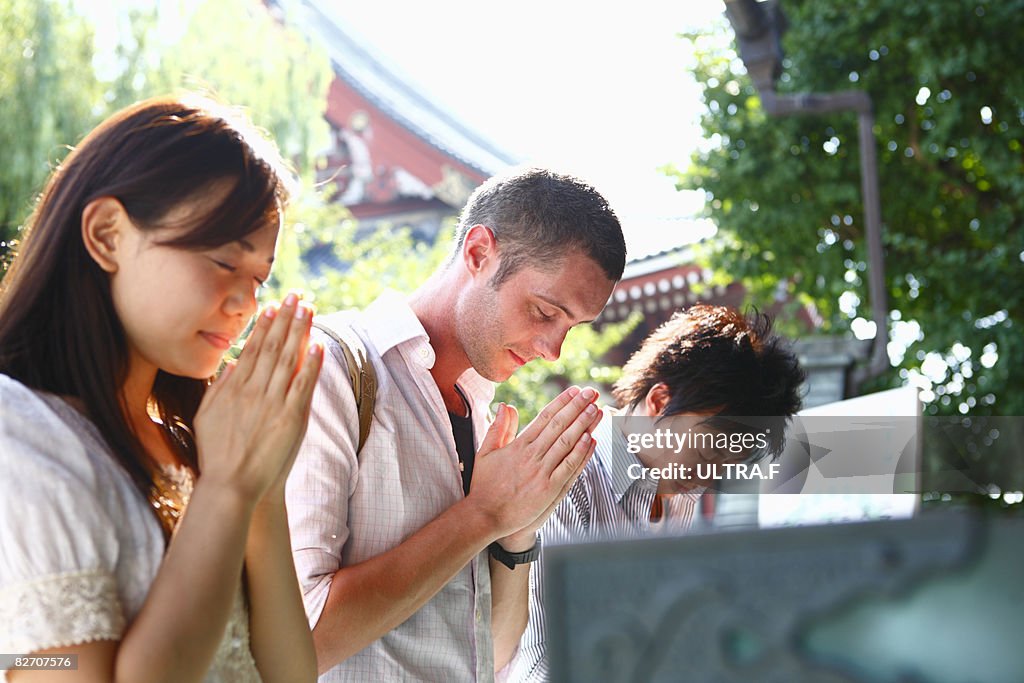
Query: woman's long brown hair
[[58, 328]]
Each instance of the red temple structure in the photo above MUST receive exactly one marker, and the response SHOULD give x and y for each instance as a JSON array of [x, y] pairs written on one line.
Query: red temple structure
[[399, 159]]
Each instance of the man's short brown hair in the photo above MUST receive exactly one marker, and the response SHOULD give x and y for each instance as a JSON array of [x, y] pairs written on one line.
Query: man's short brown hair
[[539, 216]]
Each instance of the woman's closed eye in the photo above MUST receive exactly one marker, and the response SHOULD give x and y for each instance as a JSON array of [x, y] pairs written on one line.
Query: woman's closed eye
[[231, 269]]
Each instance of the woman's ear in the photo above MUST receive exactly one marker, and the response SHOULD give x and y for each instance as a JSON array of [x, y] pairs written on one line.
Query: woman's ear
[[656, 400], [103, 223]]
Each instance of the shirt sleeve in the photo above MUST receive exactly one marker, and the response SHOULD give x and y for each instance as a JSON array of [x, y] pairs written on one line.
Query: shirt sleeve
[[569, 522], [59, 549], [322, 480]]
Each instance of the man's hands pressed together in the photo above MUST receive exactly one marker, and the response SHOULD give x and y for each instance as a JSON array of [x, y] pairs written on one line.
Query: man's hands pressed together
[[519, 480]]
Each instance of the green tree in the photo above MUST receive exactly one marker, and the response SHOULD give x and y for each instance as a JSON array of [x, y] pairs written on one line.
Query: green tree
[[269, 68], [47, 99], [58, 79], [785, 192]]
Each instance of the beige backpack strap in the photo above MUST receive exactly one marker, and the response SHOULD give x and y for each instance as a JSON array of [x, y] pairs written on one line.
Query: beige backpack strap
[[361, 374]]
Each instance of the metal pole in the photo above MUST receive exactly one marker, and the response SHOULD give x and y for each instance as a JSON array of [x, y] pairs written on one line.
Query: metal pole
[[876, 254], [859, 101]]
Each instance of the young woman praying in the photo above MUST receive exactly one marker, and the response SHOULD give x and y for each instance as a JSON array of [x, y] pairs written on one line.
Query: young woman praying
[[142, 518]]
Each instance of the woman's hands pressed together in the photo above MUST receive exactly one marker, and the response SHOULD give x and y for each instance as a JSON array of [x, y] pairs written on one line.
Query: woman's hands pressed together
[[252, 419]]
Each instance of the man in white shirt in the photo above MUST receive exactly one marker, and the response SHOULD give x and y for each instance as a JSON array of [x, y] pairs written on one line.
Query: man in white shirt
[[408, 573], [708, 368]]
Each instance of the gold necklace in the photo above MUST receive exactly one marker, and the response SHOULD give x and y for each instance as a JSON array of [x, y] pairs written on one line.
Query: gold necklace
[[170, 485], [169, 495]]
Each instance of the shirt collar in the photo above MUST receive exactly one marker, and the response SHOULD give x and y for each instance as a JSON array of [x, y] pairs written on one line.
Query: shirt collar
[[390, 322]]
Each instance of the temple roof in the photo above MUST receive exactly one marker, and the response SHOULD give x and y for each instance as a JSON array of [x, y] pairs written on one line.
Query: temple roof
[[355, 62]]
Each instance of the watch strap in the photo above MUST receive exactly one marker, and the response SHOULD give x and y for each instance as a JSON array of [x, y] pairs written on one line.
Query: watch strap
[[511, 560]]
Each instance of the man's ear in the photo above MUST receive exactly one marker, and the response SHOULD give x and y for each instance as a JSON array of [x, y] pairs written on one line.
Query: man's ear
[[657, 398], [103, 222], [479, 250]]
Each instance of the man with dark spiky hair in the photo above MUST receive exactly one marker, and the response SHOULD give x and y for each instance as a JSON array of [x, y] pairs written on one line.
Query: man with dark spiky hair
[[710, 367]]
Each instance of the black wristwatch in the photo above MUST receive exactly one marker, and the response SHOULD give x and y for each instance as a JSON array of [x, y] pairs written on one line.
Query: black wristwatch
[[510, 560]]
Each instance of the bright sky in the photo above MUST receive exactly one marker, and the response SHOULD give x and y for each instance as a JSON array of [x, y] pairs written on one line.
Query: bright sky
[[599, 91]]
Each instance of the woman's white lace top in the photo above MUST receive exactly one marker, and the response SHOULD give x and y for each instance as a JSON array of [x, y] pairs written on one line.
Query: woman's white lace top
[[79, 547]]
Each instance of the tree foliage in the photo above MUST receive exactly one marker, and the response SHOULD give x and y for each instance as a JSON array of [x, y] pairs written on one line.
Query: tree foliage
[[59, 77], [785, 192], [47, 99], [238, 51]]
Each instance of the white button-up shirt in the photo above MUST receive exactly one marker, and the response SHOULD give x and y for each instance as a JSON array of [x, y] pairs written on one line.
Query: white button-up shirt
[[344, 509]]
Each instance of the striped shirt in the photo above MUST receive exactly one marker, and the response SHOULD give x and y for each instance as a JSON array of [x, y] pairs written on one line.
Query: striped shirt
[[344, 509], [603, 503]]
